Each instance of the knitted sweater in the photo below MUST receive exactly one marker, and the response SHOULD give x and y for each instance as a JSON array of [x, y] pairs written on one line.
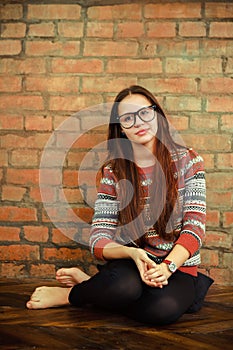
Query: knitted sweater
[[189, 222]]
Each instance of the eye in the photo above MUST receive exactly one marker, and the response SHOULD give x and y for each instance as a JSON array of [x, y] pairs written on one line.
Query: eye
[[127, 118], [145, 111]]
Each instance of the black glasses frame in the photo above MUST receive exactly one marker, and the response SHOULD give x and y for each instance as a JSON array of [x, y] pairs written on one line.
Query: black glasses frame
[[137, 114]]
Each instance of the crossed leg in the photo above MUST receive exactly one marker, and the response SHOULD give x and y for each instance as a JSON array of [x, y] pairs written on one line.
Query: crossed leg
[[46, 297]]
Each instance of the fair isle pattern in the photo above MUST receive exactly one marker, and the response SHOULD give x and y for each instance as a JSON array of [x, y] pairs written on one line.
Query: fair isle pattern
[[189, 222]]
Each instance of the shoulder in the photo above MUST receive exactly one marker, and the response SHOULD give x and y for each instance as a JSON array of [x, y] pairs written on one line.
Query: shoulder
[[188, 160]]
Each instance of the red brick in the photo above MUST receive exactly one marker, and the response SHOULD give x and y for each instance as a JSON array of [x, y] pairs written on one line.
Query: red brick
[[43, 270], [228, 219], [219, 9], [11, 11], [227, 122], [204, 122], [89, 140], [13, 270], [229, 67], [59, 237], [22, 66], [108, 83], [27, 158], [10, 213], [225, 160], [171, 47], [218, 239], [52, 84], [190, 29], [50, 192], [70, 29], [41, 29], [219, 104], [209, 257], [70, 178], [3, 158], [38, 123], [12, 193], [31, 102], [209, 160], [185, 103], [217, 47], [170, 85], [24, 177], [219, 199], [9, 233], [75, 159], [10, 47], [35, 141], [179, 122], [130, 30], [221, 30], [210, 65], [221, 276], [73, 103], [173, 10], [182, 66], [85, 214], [126, 12], [212, 218], [13, 30], [53, 254], [227, 260], [205, 142], [219, 181], [110, 48], [217, 85], [36, 233], [99, 29], [60, 65], [50, 48], [51, 11], [19, 252], [11, 122], [72, 195], [151, 66], [161, 30]]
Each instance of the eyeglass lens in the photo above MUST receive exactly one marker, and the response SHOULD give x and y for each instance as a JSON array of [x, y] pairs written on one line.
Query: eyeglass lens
[[146, 114]]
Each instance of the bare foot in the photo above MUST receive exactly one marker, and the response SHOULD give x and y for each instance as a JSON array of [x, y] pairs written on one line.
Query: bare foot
[[71, 276], [47, 297]]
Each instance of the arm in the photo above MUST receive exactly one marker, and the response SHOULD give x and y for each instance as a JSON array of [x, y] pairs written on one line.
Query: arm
[[194, 207], [114, 250]]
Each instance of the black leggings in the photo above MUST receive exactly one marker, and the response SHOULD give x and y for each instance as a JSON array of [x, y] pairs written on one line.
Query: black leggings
[[118, 287]]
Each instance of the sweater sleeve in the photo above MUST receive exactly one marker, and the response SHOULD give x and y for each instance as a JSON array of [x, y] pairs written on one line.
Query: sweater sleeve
[[105, 218], [194, 206]]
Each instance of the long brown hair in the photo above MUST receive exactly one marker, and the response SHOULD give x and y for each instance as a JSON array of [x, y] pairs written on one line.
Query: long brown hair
[[120, 157]]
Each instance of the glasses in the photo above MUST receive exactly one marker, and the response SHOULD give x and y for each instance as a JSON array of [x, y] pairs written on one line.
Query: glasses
[[146, 114]]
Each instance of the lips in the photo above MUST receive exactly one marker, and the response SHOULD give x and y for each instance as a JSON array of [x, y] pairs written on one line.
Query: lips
[[142, 132]]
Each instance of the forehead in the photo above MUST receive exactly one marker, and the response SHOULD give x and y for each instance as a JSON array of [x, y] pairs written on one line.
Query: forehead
[[132, 103]]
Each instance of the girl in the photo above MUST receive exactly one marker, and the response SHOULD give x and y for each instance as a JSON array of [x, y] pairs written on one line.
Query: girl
[[148, 225]]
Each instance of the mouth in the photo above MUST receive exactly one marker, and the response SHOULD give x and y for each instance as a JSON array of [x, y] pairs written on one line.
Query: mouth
[[142, 132]]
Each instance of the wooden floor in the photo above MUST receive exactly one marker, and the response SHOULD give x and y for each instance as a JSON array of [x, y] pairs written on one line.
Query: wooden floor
[[71, 328]]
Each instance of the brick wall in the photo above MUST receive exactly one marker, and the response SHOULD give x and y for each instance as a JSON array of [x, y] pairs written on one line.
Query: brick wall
[[58, 59]]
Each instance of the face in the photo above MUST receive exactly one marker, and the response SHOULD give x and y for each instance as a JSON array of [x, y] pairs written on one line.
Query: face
[[141, 132]]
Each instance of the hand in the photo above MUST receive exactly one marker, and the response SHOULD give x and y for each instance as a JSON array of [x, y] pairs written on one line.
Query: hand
[[158, 274], [144, 265]]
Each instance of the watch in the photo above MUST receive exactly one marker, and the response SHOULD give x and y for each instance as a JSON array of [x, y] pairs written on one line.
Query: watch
[[171, 265]]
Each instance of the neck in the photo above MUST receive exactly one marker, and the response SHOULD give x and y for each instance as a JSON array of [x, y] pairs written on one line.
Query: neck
[[143, 154]]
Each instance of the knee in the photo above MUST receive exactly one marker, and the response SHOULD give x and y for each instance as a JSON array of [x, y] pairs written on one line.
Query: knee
[[162, 314], [125, 282]]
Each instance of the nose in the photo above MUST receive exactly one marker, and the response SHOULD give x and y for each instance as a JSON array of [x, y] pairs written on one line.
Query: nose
[[138, 121]]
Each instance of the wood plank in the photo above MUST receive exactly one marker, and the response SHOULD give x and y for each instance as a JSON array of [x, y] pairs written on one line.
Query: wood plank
[[88, 328]]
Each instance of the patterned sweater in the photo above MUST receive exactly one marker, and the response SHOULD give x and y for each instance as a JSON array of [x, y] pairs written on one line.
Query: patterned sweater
[[189, 221]]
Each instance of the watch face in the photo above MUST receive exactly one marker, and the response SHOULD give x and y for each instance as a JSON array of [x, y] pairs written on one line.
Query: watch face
[[172, 267]]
